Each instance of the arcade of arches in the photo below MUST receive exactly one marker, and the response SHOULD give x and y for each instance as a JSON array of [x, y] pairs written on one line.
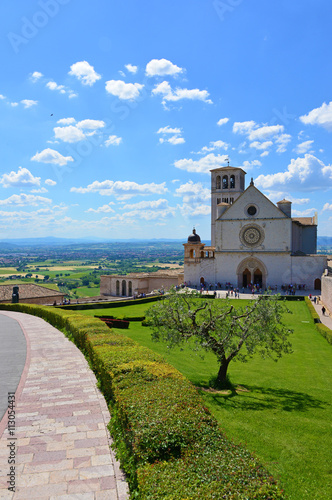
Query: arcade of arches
[[252, 271]]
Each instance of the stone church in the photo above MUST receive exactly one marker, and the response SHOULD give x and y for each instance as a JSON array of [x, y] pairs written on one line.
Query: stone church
[[253, 241]]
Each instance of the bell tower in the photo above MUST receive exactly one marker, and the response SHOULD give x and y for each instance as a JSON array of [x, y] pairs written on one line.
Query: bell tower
[[227, 184]]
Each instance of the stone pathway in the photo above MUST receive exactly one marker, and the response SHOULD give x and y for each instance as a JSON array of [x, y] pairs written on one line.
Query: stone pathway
[[61, 443]]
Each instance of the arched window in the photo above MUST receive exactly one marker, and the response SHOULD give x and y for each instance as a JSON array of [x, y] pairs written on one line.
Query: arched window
[[124, 288], [225, 182], [218, 182], [202, 255], [117, 287], [232, 182], [130, 288], [218, 201], [191, 253]]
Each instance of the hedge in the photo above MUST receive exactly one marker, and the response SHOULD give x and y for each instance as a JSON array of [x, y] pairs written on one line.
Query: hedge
[[322, 329], [168, 443], [108, 305]]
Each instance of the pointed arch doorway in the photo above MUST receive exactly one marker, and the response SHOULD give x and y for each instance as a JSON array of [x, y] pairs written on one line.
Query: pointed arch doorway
[[251, 271]]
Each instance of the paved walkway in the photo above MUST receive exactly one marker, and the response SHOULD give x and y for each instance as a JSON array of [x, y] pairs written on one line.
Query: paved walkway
[[61, 442]]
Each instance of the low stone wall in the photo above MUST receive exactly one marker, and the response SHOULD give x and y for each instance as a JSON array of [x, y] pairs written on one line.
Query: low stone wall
[[327, 292], [45, 301]]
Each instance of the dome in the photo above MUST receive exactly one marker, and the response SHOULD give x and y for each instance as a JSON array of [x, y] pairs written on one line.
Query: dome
[[194, 238]]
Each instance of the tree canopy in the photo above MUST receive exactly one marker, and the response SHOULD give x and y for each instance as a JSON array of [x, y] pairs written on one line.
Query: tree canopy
[[226, 327]]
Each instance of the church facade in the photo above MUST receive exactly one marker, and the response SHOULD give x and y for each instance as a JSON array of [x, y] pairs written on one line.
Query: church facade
[[253, 241]]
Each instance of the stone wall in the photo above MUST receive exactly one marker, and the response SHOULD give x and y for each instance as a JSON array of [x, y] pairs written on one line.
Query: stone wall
[[45, 301], [327, 292]]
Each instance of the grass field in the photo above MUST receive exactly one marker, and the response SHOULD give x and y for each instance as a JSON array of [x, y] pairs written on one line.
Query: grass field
[[283, 412], [84, 291]]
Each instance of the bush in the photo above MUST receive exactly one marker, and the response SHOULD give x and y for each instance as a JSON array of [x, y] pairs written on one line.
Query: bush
[[325, 331], [168, 443]]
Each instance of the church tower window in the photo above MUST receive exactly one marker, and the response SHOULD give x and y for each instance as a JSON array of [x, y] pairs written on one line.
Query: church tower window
[[225, 182], [232, 182], [218, 201], [218, 182]]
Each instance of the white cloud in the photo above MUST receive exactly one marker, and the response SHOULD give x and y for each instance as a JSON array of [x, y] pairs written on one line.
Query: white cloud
[[244, 127], [222, 121], [261, 145], [169, 130], [160, 204], [282, 141], [84, 72], [161, 67], [215, 145], [121, 189], [131, 68], [193, 193], [175, 139], [327, 206], [14, 104], [90, 124], [203, 165], [171, 95], [247, 165], [319, 116], [308, 173], [125, 91], [113, 140], [50, 182], [303, 147], [51, 156], [265, 131], [61, 88], [2, 97], [104, 209], [36, 75], [27, 103], [309, 212], [22, 178], [69, 134], [40, 190], [66, 121], [25, 199], [265, 153]]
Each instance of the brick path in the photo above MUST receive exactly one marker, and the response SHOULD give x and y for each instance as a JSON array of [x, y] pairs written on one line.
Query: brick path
[[62, 446]]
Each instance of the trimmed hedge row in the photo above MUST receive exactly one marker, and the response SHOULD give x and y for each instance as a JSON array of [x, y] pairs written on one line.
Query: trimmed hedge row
[[168, 443], [322, 329], [108, 305]]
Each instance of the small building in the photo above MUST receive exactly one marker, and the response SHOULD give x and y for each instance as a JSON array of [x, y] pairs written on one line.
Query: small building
[[30, 293], [134, 284]]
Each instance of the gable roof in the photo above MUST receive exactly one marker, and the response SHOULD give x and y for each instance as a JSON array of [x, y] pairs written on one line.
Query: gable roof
[[27, 291]]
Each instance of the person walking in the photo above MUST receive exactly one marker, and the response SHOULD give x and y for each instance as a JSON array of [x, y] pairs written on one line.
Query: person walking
[[323, 311]]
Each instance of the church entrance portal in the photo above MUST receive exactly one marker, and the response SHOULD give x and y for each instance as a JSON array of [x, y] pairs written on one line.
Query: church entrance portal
[[258, 278], [246, 278]]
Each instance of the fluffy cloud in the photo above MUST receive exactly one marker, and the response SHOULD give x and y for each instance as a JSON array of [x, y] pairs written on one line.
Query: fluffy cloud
[[161, 67], [193, 193], [27, 103], [66, 121], [174, 139], [113, 140], [264, 132], [247, 165], [303, 147], [90, 124], [282, 141], [306, 173], [121, 189], [243, 127], [50, 182], [169, 130], [104, 209], [171, 95], [25, 199], [131, 68], [203, 165], [319, 116], [51, 156], [69, 134], [84, 72], [327, 206], [61, 88], [215, 145], [21, 179], [36, 75], [261, 145], [122, 90], [222, 121]]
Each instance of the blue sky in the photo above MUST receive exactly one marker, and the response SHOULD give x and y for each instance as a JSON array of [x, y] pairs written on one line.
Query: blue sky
[[113, 113]]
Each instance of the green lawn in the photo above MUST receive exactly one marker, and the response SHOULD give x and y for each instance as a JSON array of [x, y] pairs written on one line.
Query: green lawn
[[84, 291], [283, 413]]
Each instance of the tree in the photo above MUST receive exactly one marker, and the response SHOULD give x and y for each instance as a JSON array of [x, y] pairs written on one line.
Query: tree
[[222, 326]]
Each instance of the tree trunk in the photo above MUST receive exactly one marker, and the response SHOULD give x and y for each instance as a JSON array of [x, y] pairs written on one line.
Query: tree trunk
[[222, 374]]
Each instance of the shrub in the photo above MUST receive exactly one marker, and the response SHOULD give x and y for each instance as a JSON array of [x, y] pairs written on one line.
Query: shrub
[[164, 435]]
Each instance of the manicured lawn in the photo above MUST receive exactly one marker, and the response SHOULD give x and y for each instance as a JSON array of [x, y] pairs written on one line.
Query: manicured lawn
[[84, 291], [283, 413]]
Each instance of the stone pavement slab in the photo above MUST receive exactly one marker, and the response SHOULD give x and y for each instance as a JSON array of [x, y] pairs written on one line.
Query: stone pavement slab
[[60, 442]]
